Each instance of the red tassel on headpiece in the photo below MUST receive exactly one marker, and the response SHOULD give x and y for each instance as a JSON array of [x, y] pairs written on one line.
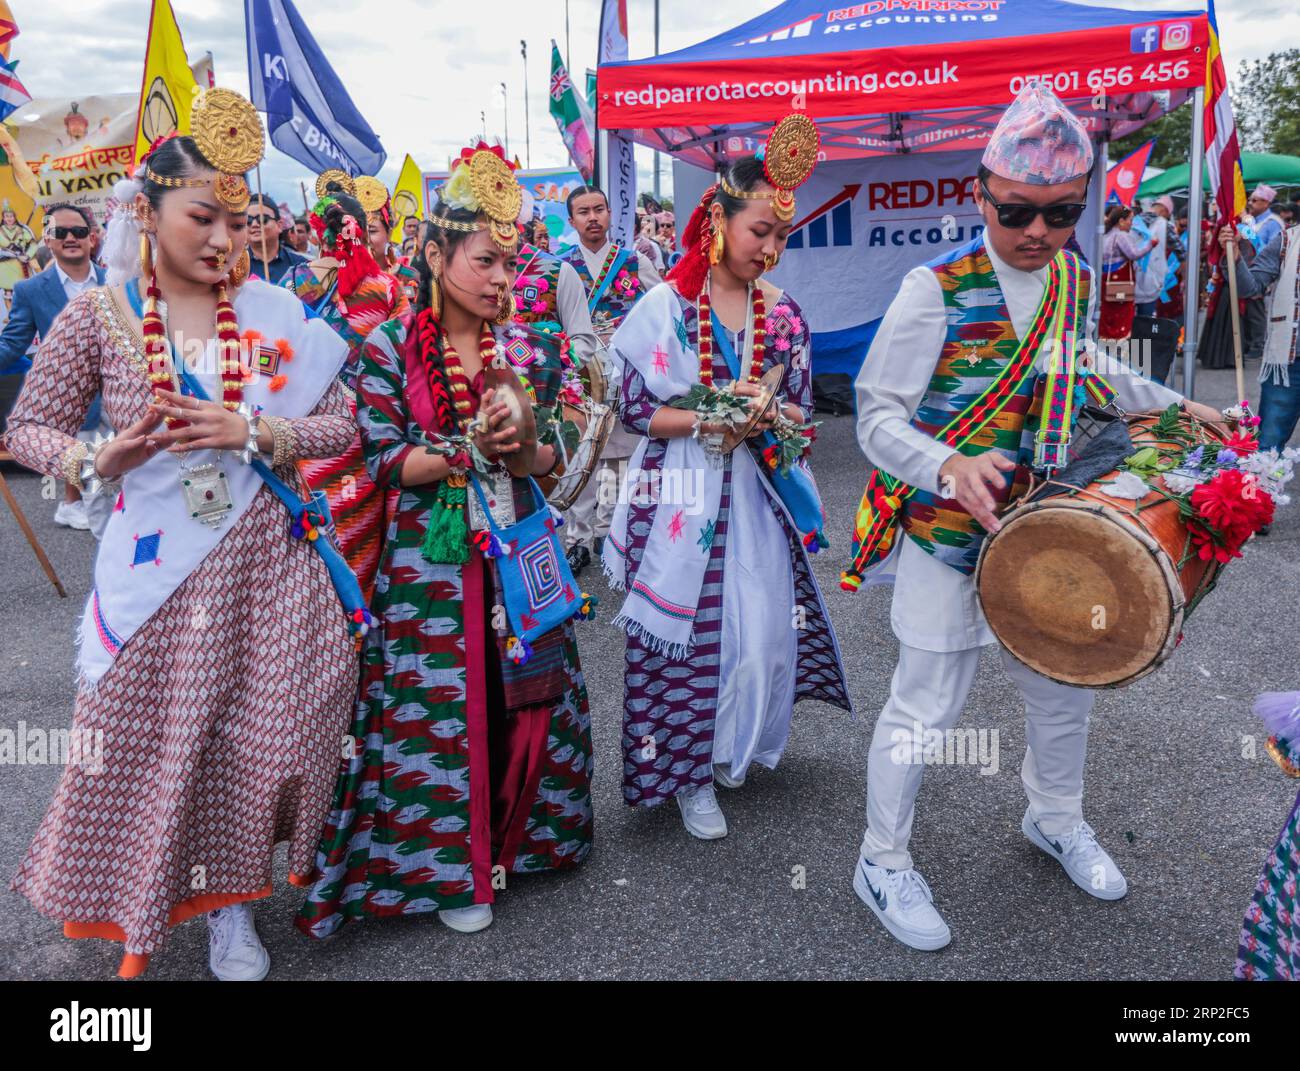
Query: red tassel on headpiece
[[357, 264], [689, 273]]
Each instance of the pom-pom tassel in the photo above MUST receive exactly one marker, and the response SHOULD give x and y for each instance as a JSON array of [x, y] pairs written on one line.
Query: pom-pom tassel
[[518, 651], [850, 581], [587, 609], [445, 541]]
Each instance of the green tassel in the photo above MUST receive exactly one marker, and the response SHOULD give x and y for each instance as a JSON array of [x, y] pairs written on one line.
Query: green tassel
[[446, 538]]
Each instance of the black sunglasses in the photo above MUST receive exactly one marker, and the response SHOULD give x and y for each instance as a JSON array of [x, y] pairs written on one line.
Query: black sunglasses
[[80, 233], [1017, 217], [262, 220]]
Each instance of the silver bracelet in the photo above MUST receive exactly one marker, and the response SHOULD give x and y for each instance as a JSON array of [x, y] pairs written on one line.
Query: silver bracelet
[[88, 477], [251, 414]]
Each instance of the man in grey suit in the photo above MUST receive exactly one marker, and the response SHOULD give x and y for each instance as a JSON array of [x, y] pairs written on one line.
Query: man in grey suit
[[69, 236]]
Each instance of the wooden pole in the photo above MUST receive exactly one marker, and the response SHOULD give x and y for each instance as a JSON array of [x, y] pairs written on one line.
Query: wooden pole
[[306, 208], [32, 541], [1235, 310], [266, 271]]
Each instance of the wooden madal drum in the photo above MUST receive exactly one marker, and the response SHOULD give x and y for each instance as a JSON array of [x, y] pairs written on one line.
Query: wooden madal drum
[[1091, 590]]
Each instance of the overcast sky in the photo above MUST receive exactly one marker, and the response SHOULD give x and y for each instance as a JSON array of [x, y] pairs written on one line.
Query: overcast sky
[[422, 71]]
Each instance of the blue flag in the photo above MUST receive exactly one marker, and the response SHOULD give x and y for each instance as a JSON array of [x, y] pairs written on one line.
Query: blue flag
[[308, 112]]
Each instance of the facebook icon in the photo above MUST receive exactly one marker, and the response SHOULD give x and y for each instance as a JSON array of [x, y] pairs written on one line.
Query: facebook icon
[[1144, 39]]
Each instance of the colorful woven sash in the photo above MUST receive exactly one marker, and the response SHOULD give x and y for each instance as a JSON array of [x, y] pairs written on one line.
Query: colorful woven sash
[[1059, 318]]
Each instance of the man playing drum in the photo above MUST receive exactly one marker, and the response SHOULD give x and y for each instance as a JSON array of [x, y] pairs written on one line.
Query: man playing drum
[[950, 412]]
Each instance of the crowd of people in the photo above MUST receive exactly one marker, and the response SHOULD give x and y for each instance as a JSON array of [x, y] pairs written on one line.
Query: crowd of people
[[319, 446]]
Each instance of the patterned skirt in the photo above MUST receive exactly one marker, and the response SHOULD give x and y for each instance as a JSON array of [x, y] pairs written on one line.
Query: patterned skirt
[[464, 768], [1270, 935]]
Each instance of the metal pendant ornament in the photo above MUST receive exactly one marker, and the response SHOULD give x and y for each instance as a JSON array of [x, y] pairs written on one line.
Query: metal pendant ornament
[[146, 256], [505, 306], [717, 247], [435, 296], [207, 493], [229, 133], [239, 271], [788, 160], [338, 178]]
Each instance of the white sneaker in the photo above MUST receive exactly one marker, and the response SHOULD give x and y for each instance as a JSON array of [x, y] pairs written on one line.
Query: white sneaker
[[701, 813], [722, 776], [1083, 858], [904, 904], [72, 515], [235, 952], [467, 919]]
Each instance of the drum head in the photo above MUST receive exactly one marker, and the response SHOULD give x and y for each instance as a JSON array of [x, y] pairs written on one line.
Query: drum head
[[1077, 595]]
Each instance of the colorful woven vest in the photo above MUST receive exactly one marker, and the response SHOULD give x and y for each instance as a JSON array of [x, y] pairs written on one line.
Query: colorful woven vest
[[979, 343], [618, 294], [984, 395], [537, 287]]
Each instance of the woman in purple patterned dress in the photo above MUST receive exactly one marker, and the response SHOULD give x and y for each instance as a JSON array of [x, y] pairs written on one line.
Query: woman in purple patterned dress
[[726, 626]]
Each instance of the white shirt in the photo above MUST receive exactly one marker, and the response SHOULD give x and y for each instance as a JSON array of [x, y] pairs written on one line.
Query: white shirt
[[70, 286], [934, 606]]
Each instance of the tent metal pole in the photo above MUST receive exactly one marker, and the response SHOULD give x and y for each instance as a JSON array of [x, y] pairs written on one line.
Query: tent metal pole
[[1097, 195], [1192, 276]]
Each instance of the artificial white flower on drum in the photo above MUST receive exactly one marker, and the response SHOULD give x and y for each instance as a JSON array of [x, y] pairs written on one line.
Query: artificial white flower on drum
[[1128, 485], [1180, 483], [1273, 471]]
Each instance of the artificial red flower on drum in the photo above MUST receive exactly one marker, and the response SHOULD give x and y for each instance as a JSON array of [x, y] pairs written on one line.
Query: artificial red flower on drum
[[1241, 444], [1234, 506]]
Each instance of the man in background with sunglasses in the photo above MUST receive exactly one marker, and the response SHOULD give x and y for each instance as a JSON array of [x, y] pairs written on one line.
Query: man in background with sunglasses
[[69, 236], [271, 257], [952, 334]]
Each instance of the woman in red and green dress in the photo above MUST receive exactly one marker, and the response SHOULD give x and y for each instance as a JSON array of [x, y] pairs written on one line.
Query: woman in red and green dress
[[468, 764]]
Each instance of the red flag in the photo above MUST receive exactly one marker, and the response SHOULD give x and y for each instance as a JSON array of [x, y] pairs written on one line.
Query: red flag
[[1222, 153], [1124, 178]]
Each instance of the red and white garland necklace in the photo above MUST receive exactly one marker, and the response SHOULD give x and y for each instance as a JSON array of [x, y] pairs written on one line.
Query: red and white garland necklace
[[758, 332], [456, 377], [157, 349]]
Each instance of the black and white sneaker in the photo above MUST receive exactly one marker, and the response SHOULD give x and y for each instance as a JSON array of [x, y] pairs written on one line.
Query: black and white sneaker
[[1082, 858], [904, 904]]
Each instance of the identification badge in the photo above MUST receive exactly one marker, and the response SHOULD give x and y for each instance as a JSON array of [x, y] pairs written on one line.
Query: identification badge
[[499, 492], [207, 494]]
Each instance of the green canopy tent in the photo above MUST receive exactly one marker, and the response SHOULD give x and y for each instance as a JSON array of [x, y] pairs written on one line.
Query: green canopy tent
[[1256, 167]]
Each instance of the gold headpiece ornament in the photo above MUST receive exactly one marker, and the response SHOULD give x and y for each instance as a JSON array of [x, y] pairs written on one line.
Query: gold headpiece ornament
[[340, 178], [482, 181], [788, 159], [228, 134], [371, 193]]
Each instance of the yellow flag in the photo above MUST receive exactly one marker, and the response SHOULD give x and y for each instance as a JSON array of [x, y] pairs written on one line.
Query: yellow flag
[[168, 87], [408, 196]]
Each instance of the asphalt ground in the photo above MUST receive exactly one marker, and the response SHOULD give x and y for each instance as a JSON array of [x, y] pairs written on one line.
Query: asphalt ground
[[1185, 815]]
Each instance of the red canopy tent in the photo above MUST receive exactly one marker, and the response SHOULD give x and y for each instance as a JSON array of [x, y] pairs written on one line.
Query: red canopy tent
[[905, 76]]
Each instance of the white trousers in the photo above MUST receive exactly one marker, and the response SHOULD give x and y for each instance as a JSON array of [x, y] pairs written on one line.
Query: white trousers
[[928, 693]]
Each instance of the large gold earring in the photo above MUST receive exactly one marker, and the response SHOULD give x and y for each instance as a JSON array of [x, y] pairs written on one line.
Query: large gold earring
[[506, 308], [146, 256], [717, 247], [435, 296], [240, 271]]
